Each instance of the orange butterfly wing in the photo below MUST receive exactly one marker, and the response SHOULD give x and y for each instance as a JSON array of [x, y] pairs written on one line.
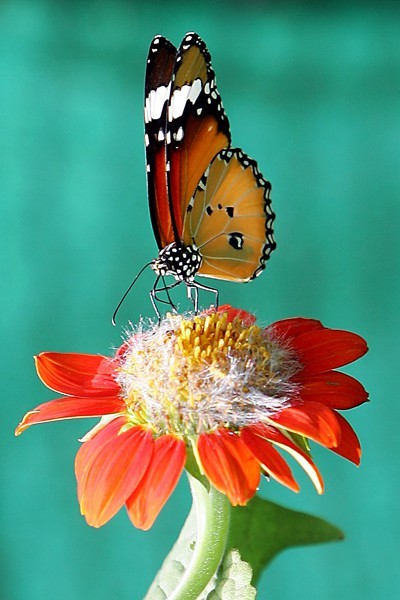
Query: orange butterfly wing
[[197, 126], [229, 219]]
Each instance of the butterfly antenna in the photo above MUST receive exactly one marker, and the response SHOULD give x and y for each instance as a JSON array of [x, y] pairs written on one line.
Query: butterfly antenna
[[113, 321]]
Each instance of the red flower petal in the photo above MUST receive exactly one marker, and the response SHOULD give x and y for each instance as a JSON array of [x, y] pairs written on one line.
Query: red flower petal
[[116, 468], [268, 457], [313, 420], [77, 374], [349, 446], [71, 408], [292, 328], [123, 348], [326, 349], [162, 475], [282, 441], [229, 465], [90, 449], [233, 313], [334, 389]]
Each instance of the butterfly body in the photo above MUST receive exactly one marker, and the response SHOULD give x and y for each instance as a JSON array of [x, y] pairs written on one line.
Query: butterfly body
[[209, 205], [178, 260]]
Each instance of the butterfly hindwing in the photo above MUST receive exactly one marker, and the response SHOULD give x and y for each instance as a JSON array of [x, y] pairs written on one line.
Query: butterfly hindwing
[[229, 218], [197, 126], [160, 64]]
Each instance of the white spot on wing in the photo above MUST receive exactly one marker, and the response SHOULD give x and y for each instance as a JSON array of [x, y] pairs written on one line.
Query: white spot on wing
[[155, 102], [180, 97], [195, 90]]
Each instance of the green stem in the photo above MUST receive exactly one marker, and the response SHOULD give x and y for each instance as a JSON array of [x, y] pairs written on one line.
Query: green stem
[[200, 547], [212, 515]]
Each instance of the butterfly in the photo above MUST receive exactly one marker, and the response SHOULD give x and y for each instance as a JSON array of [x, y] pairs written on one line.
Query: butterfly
[[210, 206]]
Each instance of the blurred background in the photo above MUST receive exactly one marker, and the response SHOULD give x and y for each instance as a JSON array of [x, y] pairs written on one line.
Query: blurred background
[[312, 92]]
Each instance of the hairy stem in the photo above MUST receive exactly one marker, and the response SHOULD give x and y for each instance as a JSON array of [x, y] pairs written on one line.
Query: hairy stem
[[212, 516], [198, 552]]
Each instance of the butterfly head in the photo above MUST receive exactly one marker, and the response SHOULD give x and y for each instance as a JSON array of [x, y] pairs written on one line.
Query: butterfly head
[[178, 260]]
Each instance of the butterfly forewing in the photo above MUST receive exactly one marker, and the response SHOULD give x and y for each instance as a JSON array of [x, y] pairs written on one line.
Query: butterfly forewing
[[197, 126], [160, 64], [229, 219]]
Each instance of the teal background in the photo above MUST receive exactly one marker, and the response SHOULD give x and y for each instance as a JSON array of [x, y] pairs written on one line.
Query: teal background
[[312, 92]]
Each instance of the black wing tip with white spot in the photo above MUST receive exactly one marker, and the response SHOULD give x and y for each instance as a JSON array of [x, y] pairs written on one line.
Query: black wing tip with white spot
[[159, 42], [193, 39], [209, 100]]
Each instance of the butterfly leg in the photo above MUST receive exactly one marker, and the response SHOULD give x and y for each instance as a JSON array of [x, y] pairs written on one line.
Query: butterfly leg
[[166, 288], [154, 299], [196, 286], [154, 295], [193, 296]]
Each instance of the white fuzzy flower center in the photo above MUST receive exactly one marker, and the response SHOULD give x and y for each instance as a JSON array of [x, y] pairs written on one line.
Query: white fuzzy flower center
[[190, 375]]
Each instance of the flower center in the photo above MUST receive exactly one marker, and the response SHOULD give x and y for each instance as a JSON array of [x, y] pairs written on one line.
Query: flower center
[[189, 375]]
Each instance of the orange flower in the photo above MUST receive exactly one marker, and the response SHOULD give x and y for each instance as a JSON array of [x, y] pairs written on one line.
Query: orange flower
[[215, 383]]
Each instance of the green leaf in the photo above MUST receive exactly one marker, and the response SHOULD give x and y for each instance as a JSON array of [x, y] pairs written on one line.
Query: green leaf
[[262, 529], [220, 548]]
